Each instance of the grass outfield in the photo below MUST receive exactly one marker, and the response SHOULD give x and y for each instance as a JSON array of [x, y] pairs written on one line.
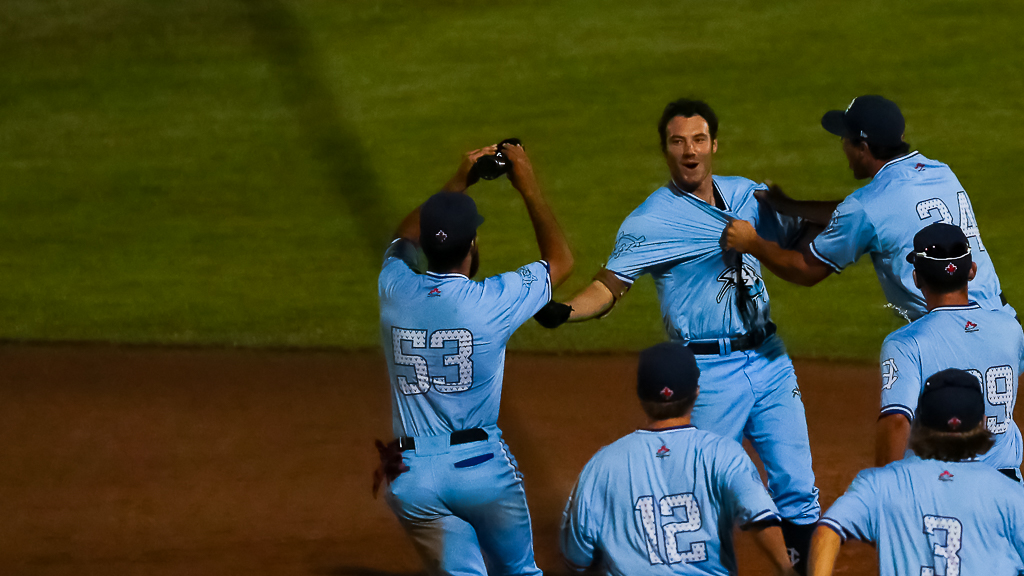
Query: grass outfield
[[228, 172]]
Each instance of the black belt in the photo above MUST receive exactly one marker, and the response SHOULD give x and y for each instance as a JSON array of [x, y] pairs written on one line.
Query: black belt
[[748, 341], [457, 437]]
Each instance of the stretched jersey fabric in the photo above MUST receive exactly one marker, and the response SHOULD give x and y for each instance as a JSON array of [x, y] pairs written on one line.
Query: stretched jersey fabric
[[906, 195], [444, 339], [934, 518], [675, 237], [987, 343], [663, 502]]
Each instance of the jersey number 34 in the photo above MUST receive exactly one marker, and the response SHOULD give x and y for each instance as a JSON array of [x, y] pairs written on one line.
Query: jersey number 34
[[418, 339]]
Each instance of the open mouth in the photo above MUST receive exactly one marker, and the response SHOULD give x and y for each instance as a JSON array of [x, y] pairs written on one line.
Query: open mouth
[[691, 165]]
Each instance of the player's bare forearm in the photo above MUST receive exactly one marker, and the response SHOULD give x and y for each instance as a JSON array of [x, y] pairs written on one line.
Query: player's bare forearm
[[790, 265], [891, 435], [409, 228], [769, 539], [593, 301], [554, 247], [824, 550], [460, 180]]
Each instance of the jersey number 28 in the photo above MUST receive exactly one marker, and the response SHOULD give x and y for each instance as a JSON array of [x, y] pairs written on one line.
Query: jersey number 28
[[423, 381], [647, 516]]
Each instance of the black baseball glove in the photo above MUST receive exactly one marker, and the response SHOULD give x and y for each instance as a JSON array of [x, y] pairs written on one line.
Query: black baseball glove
[[553, 314], [391, 464]]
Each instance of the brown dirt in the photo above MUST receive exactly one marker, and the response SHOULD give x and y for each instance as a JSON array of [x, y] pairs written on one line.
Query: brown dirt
[[119, 461]]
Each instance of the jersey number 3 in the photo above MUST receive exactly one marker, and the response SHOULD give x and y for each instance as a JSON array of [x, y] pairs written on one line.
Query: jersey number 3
[[648, 520], [423, 381]]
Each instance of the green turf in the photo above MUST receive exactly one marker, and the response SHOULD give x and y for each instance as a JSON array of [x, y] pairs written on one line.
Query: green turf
[[227, 172]]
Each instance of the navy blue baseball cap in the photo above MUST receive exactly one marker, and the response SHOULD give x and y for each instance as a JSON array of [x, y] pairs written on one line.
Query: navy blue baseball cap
[[872, 118], [942, 255], [667, 372], [448, 220], [951, 402]]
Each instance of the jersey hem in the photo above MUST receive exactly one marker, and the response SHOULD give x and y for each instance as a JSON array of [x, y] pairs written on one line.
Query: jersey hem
[[835, 527], [897, 409], [818, 255]]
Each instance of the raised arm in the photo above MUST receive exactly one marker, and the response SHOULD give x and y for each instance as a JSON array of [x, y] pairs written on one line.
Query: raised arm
[[797, 267], [409, 228], [554, 248], [816, 211], [824, 550]]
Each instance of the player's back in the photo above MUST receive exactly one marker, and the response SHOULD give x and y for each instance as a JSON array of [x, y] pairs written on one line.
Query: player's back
[[986, 343], [907, 194], [444, 339], [668, 501], [953, 518]]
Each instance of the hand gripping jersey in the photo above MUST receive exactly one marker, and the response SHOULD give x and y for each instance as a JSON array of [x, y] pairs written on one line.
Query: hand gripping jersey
[[906, 195], [934, 518], [675, 237], [987, 343], [663, 502]]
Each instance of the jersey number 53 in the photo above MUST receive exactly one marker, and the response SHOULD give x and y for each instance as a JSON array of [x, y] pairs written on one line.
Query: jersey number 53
[[417, 339]]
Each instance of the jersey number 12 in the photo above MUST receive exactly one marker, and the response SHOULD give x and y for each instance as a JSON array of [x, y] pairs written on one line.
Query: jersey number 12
[[647, 516]]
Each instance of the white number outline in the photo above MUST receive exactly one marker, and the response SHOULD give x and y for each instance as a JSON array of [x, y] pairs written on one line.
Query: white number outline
[[418, 340], [990, 382], [648, 525], [968, 223], [949, 551]]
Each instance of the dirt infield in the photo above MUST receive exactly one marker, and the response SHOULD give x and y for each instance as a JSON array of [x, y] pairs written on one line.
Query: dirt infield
[[121, 461]]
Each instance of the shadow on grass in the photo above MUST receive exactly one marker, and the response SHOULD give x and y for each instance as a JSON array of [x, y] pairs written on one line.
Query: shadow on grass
[[333, 141]]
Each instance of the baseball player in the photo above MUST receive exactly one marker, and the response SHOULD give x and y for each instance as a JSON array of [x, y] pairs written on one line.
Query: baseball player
[[955, 333], [665, 499], [906, 192], [937, 512], [716, 303], [453, 483]]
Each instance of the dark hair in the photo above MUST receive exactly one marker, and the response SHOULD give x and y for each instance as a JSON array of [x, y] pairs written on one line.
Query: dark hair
[[667, 410], [687, 108], [883, 152], [448, 258], [950, 446], [939, 287]]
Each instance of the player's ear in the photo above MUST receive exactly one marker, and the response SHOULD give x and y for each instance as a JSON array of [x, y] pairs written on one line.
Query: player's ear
[[916, 283], [714, 146], [973, 272]]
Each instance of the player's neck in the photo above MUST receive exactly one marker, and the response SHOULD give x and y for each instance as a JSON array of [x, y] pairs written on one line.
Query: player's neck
[[670, 423], [933, 300]]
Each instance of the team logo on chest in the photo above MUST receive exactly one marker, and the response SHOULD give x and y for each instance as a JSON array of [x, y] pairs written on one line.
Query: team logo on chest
[[946, 476], [434, 293], [750, 278], [970, 327], [663, 452]]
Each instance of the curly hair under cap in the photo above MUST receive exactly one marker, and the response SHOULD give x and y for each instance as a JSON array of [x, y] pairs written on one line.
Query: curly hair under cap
[[950, 446]]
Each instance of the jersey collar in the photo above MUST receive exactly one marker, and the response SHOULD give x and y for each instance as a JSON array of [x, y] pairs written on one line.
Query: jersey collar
[[446, 275], [896, 161], [669, 429], [718, 196], [971, 305]]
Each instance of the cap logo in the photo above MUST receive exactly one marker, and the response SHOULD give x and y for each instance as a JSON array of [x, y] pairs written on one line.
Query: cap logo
[[862, 134], [954, 423], [950, 268], [666, 392], [441, 236]]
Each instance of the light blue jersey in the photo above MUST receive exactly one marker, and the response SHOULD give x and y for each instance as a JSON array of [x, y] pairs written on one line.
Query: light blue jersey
[[987, 343], [675, 237], [663, 502], [444, 339], [934, 518], [906, 195]]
